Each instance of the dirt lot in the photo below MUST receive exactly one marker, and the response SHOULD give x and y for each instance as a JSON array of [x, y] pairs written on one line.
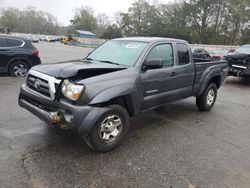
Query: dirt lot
[[175, 146]]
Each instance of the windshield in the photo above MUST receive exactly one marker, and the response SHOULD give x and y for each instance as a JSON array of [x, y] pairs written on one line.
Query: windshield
[[243, 49], [120, 52]]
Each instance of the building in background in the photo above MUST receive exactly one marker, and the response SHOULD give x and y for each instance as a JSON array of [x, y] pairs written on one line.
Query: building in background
[[85, 34]]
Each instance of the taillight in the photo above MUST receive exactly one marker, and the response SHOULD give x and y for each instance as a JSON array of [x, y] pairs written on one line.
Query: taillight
[[35, 52]]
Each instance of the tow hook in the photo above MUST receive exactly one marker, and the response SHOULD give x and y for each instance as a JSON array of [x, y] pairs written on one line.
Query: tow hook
[[55, 118]]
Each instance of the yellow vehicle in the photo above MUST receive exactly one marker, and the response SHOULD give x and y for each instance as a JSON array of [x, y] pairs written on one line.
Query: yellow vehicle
[[68, 38]]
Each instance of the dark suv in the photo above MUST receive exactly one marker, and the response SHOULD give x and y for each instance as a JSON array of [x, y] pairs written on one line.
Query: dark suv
[[17, 55]]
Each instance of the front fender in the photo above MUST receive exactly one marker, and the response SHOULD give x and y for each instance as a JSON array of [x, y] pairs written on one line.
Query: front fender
[[129, 92], [113, 92]]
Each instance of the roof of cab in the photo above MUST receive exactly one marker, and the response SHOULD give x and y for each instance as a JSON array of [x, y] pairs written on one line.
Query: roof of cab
[[150, 39]]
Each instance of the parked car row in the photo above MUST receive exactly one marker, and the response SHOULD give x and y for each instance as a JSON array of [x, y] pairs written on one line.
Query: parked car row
[[35, 38]]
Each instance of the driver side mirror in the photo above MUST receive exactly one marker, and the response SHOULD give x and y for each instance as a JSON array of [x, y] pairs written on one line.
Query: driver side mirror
[[153, 63]]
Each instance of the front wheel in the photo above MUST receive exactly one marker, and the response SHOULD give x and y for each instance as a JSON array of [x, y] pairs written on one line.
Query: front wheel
[[109, 130], [206, 101]]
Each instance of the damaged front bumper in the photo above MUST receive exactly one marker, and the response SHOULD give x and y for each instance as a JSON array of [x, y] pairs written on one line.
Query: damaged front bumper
[[60, 113]]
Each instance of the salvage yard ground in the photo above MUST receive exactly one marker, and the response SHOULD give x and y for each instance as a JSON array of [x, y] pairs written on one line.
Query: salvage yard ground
[[175, 146]]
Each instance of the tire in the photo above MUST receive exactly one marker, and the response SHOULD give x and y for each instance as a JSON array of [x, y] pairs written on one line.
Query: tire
[[101, 137], [206, 101], [19, 68]]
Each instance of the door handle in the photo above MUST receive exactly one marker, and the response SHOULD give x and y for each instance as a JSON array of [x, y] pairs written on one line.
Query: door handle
[[173, 74]]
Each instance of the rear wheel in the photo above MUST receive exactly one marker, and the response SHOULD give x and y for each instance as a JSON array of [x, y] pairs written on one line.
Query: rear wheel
[[206, 101], [19, 68], [109, 130]]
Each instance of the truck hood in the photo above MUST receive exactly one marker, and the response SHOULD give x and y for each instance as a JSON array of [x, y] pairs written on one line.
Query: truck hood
[[80, 68]]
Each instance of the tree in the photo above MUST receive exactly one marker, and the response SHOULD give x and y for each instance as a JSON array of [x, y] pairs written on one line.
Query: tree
[[28, 20], [175, 21], [84, 19], [103, 23], [142, 19], [112, 32], [198, 21], [238, 16], [9, 18], [126, 25]]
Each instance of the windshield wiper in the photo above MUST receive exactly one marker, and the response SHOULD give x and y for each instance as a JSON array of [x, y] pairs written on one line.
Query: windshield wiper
[[103, 61], [110, 62]]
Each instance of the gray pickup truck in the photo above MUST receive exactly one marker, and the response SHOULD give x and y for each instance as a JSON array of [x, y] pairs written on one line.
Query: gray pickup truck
[[96, 96]]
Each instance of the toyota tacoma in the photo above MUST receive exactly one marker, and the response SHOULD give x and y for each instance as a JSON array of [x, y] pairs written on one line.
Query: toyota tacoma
[[96, 95]]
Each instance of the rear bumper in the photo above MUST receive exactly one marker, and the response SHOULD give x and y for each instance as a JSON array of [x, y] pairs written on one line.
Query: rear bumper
[[241, 72], [60, 113]]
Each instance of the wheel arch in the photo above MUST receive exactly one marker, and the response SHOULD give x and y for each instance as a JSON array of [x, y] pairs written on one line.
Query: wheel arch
[[211, 78], [216, 80], [124, 101], [13, 60], [124, 95]]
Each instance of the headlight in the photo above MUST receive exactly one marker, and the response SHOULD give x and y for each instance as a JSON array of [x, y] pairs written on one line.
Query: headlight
[[71, 90]]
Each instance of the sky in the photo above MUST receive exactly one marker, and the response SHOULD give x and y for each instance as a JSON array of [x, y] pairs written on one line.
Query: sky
[[64, 9]]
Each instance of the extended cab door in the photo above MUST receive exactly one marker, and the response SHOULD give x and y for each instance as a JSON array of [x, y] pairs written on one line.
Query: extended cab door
[[156, 82], [174, 81], [184, 73]]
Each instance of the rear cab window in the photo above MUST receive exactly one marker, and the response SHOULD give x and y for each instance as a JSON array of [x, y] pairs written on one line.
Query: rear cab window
[[183, 54]]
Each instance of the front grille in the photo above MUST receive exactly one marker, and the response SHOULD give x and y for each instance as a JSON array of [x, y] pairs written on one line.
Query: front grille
[[43, 84], [39, 85]]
